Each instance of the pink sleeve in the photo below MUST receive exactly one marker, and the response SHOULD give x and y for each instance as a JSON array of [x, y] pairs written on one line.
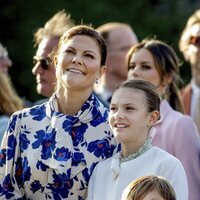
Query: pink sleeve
[[187, 150]]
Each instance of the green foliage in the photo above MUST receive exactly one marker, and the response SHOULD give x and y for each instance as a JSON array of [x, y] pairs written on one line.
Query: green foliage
[[164, 19]]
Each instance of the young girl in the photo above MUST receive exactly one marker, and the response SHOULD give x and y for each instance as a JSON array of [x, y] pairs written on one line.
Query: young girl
[[157, 62], [134, 109]]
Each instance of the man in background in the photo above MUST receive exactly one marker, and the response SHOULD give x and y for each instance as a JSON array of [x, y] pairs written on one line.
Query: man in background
[[119, 38], [46, 40], [189, 45]]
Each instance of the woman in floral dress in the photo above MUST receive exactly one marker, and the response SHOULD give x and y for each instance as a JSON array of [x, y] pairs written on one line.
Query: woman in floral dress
[[50, 150]]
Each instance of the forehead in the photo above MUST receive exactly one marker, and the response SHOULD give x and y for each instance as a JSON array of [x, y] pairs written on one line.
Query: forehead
[[82, 42], [128, 95], [195, 30], [47, 45], [144, 55]]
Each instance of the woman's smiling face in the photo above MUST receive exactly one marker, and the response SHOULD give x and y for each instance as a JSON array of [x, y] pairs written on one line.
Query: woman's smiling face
[[78, 62]]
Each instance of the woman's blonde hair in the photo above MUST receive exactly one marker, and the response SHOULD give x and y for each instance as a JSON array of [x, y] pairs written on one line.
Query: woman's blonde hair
[[141, 187], [9, 100]]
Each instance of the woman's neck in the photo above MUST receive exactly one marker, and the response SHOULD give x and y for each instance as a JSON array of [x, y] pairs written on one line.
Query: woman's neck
[[70, 102]]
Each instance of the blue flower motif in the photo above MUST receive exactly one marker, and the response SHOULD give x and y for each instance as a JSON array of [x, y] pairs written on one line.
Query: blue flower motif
[[48, 144], [69, 122], [98, 117], [41, 166], [24, 142], [101, 148], [62, 154], [39, 136], [35, 186], [11, 147], [86, 175], [77, 134], [38, 113], [61, 186], [11, 126], [2, 157], [23, 171], [6, 189], [77, 158]]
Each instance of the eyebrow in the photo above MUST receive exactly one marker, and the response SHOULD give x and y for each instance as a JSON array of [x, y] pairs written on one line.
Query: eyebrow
[[85, 51], [145, 62]]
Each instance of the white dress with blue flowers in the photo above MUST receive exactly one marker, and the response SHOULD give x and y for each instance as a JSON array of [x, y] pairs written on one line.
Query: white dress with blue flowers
[[49, 155]]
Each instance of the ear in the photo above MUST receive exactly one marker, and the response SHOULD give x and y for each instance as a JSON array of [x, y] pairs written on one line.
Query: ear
[[167, 79], [154, 117], [55, 60], [102, 71]]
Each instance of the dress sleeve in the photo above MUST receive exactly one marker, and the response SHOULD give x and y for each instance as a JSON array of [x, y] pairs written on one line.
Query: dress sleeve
[[10, 167], [187, 150]]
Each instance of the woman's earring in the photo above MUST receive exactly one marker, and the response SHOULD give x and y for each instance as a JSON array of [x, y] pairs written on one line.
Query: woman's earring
[[97, 81]]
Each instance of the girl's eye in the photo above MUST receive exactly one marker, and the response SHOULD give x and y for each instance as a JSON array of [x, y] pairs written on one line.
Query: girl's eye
[[112, 108], [130, 108], [89, 56]]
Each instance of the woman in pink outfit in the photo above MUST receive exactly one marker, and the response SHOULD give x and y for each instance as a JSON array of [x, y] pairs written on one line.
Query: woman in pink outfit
[[155, 61]]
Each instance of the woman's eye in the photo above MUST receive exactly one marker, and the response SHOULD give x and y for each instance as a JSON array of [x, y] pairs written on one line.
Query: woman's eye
[[69, 51], [131, 67], [146, 67]]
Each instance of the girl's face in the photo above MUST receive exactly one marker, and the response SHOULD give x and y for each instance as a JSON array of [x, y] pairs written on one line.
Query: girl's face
[[129, 118], [142, 66], [78, 62]]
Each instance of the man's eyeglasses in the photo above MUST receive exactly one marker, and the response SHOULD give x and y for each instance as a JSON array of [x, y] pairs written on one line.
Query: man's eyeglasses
[[195, 40], [44, 62]]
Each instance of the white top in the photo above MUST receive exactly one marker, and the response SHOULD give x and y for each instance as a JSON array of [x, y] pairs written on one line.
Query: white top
[[110, 178]]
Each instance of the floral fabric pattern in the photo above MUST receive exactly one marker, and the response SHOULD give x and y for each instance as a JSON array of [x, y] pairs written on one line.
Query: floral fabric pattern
[[48, 155]]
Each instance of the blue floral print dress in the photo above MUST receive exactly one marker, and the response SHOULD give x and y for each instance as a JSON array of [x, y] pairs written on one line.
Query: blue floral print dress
[[48, 155]]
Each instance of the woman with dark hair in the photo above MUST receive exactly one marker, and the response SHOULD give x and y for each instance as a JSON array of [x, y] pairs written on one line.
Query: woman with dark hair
[[157, 62]]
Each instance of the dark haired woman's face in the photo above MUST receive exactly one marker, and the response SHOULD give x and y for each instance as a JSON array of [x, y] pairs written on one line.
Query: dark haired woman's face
[[142, 66], [153, 195]]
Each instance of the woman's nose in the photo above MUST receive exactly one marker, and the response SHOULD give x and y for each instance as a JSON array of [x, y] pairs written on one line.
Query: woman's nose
[[77, 59], [134, 73]]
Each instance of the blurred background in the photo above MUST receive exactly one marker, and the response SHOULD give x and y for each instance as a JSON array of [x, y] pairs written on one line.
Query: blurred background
[[19, 19]]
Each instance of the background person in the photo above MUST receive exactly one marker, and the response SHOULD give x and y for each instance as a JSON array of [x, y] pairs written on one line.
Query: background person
[[134, 109], [119, 38], [46, 40], [10, 102], [189, 45], [148, 188], [5, 61], [50, 150], [157, 62]]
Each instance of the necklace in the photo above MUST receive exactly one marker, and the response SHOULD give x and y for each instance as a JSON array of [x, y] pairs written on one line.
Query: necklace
[[147, 145]]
